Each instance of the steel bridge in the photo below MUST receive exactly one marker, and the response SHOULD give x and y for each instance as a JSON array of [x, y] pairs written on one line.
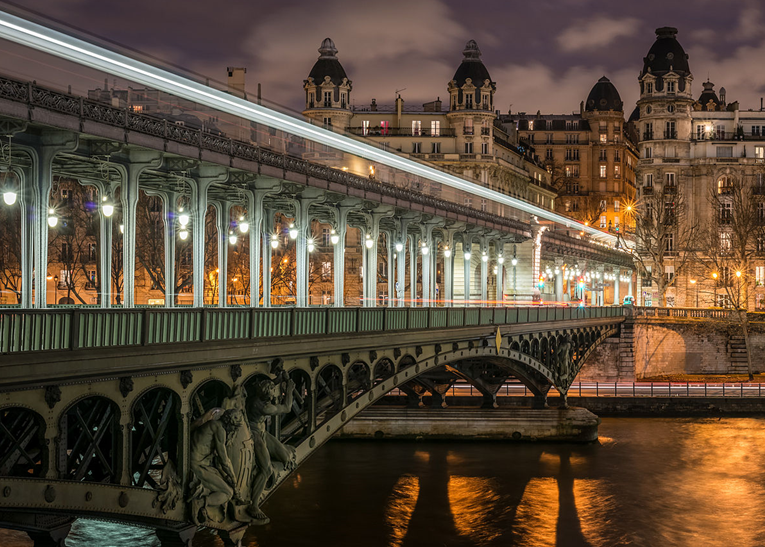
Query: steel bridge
[[98, 407]]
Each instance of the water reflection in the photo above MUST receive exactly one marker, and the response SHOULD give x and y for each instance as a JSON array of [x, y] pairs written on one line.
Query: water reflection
[[400, 508], [476, 508], [651, 482]]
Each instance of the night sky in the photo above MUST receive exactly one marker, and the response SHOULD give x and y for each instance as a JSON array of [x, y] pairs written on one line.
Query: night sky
[[544, 54]]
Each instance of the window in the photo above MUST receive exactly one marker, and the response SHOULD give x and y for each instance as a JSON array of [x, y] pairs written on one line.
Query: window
[[603, 138], [617, 206], [575, 207], [648, 152], [755, 130], [385, 145], [549, 154], [468, 148], [416, 128], [761, 212], [617, 171], [648, 131], [572, 171], [468, 127], [325, 237], [603, 155], [484, 148], [726, 241], [365, 127], [670, 180], [648, 182], [66, 253], [327, 99], [64, 279], [483, 205], [92, 252], [617, 155], [342, 100], [616, 223], [649, 87], [435, 128], [603, 173], [549, 138], [602, 205], [700, 132], [384, 127], [327, 123], [572, 154], [759, 275], [416, 148], [669, 272], [671, 108], [310, 100], [602, 221], [724, 185], [759, 152], [669, 130], [326, 270], [469, 101], [572, 138], [436, 148], [671, 86]]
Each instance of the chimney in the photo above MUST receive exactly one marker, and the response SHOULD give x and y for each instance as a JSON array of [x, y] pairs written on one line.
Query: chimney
[[399, 109], [373, 106], [236, 81]]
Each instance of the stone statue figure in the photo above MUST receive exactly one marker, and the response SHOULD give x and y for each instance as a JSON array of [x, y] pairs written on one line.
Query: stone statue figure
[[265, 402], [214, 478], [563, 358]]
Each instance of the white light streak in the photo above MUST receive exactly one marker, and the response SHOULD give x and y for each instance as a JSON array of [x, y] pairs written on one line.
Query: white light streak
[[79, 51]]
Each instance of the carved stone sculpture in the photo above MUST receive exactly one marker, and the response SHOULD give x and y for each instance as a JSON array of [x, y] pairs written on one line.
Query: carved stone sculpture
[[563, 360], [170, 491], [213, 475], [265, 402]]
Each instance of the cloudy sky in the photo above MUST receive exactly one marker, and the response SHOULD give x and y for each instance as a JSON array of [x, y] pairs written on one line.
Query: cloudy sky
[[544, 54]]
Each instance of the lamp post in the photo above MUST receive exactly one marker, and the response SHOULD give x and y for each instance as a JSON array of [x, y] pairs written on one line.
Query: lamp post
[[55, 289]]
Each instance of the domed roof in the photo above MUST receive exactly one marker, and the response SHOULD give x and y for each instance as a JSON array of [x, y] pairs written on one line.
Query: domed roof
[[635, 116], [603, 97], [327, 64], [471, 67], [666, 53], [709, 95]]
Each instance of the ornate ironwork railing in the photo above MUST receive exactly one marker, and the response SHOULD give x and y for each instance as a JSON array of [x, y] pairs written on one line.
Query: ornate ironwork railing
[[693, 313], [77, 328]]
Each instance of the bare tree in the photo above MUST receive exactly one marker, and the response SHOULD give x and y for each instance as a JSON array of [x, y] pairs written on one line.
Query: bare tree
[[10, 252], [663, 234], [730, 242]]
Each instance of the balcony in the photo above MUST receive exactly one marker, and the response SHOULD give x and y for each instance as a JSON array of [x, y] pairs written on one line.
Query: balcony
[[485, 131], [647, 135], [647, 190], [670, 135], [400, 132], [467, 131]]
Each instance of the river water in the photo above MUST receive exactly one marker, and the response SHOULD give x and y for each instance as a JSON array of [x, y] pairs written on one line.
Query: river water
[[647, 482]]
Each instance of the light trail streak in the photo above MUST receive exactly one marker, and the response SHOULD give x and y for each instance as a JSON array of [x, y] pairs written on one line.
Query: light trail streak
[[61, 45]]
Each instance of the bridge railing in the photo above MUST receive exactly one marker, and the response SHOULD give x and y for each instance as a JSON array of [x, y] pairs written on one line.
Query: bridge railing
[[693, 313], [77, 328]]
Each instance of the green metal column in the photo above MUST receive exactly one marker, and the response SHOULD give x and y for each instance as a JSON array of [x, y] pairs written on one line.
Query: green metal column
[[169, 202], [224, 221], [206, 175]]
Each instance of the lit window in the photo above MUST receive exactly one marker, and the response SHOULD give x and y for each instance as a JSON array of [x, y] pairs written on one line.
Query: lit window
[[603, 138], [416, 128], [603, 173], [435, 128], [759, 152], [602, 221], [365, 127], [759, 275], [384, 127], [617, 206]]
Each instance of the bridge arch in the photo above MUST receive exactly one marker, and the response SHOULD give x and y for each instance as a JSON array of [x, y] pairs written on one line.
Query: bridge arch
[[22, 443], [155, 434], [90, 442], [384, 369]]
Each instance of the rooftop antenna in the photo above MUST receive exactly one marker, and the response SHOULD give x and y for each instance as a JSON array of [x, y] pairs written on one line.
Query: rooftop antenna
[[400, 90]]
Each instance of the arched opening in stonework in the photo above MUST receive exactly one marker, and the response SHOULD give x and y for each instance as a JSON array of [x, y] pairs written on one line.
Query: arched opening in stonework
[[154, 436], [207, 396], [90, 442], [22, 443]]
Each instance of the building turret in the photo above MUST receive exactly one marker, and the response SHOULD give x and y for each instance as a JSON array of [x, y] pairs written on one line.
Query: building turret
[[328, 90], [471, 103]]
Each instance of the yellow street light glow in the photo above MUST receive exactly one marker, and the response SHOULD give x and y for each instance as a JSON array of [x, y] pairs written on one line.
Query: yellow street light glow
[[738, 274], [693, 281], [61, 45], [714, 275]]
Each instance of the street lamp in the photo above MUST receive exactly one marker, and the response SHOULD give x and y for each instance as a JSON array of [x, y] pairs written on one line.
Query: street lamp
[[232, 237], [484, 257], [447, 252], [244, 226], [424, 249], [311, 246], [334, 237], [514, 261], [274, 241], [467, 255], [9, 197], [107, 207], [399, 247], [369, 242], [52, 218], [293, 232]]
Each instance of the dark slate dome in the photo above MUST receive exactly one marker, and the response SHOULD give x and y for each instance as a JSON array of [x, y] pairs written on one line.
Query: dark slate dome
[[666, 53], [327, 64], [603, 97], [709, 95], [471, 67], [635, 116]]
